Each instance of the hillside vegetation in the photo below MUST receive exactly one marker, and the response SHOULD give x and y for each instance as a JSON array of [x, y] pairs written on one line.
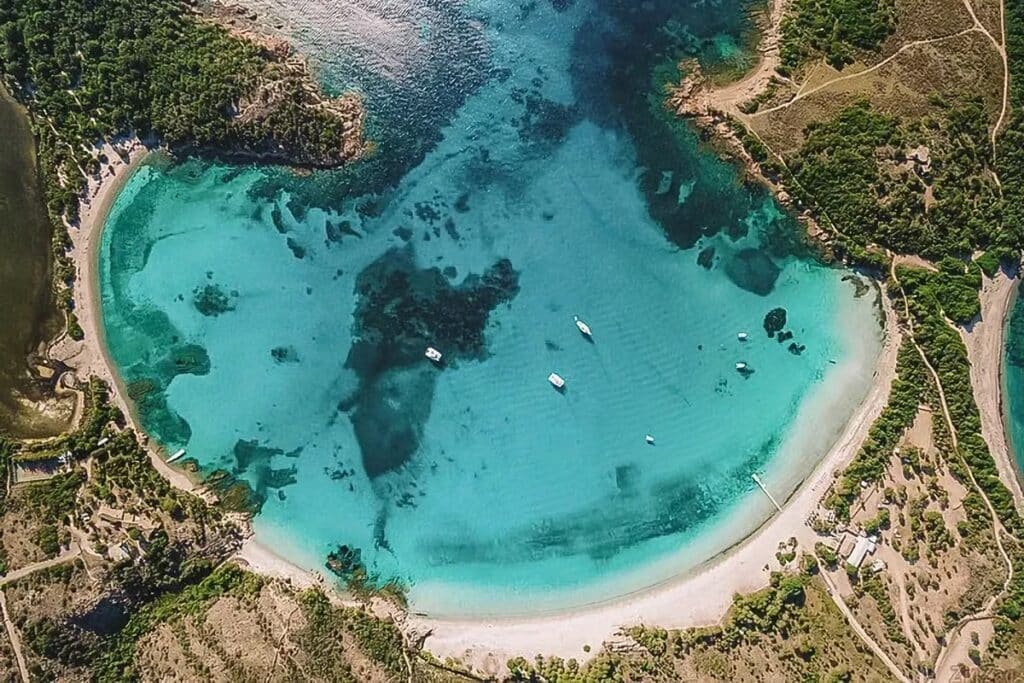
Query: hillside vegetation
[[834, 29], [95, 71]]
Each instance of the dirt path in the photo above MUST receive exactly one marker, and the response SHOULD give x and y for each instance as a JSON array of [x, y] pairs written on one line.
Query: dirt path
[[281, 643], [838, 79], [837, 598], [949, 640], [1006, 73], [12, 635], [1000, 47], [45, 564]]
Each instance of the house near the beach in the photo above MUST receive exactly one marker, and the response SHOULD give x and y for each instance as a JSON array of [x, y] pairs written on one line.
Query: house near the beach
[[864, 546]]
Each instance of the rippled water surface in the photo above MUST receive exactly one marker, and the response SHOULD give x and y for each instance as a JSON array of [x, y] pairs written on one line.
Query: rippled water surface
[[526, 173], [1013, 377]]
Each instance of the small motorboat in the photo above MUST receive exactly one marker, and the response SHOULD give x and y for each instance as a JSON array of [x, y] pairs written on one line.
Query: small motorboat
[[649, 439], [582, 327], [177, 455], [742, 336], [556, 381], [433, 354], [740, 367]]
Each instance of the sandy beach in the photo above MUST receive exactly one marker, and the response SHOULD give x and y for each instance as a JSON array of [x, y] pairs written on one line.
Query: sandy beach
[[88, 358], [699, 598], [262, 560], [985, 349]]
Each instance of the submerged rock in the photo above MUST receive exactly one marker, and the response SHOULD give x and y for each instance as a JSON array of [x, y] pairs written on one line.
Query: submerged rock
[[346, 562], [774, 321], [336, 232], [753, 270], [284, 354], [401, 311], [298, 251], [211, 301], [255, 460]]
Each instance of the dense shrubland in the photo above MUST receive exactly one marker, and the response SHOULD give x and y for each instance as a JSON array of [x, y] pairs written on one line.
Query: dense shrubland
[[945, 350], [835, 30], [858, 173], [1010, 148], [95, 71]]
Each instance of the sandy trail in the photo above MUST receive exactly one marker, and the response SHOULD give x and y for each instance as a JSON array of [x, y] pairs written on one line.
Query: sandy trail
[[12, 635]]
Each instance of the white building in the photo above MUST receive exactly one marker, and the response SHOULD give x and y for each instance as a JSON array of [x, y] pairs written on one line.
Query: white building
[[865, 545]]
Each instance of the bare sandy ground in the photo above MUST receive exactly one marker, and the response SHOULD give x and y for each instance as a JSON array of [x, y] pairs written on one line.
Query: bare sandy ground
[[700, 598], [262, 560], [985, 350], [729, 97]]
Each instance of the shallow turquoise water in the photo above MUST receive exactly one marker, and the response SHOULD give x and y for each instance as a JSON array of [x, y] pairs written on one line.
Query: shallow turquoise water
[[275, 326], [1013, 377]]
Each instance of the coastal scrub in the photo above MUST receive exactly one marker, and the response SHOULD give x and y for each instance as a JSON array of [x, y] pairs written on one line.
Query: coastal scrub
[[94, 72]]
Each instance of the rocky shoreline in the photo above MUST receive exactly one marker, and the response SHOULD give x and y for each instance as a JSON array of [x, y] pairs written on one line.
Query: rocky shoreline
[[696, 99]]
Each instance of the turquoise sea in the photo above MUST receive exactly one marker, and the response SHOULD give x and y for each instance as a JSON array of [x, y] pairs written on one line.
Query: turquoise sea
[[274, 324], [1013, 377]]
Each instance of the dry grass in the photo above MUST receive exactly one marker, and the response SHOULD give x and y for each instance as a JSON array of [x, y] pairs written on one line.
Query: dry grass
[[783, 130], [50, 596], [924, 19], [905, 85], [18, 526], [50, 593], [236, 639], [987, 12], [232, 639], [927, 594]]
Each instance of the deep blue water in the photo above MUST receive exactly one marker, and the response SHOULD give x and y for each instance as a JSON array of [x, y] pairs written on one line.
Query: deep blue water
[[274, 324]]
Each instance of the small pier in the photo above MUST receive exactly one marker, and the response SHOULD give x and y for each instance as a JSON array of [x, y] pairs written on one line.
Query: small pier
[[757, 480]]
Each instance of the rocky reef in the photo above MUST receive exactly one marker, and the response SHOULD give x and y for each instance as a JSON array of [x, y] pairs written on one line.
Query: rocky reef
[[403, 309]]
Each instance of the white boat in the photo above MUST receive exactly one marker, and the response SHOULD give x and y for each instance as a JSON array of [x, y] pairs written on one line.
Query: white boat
[[741, 366], [177, 455], [649, 439], [556, 380], [742, 336], [582, 326], [433, 354]]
